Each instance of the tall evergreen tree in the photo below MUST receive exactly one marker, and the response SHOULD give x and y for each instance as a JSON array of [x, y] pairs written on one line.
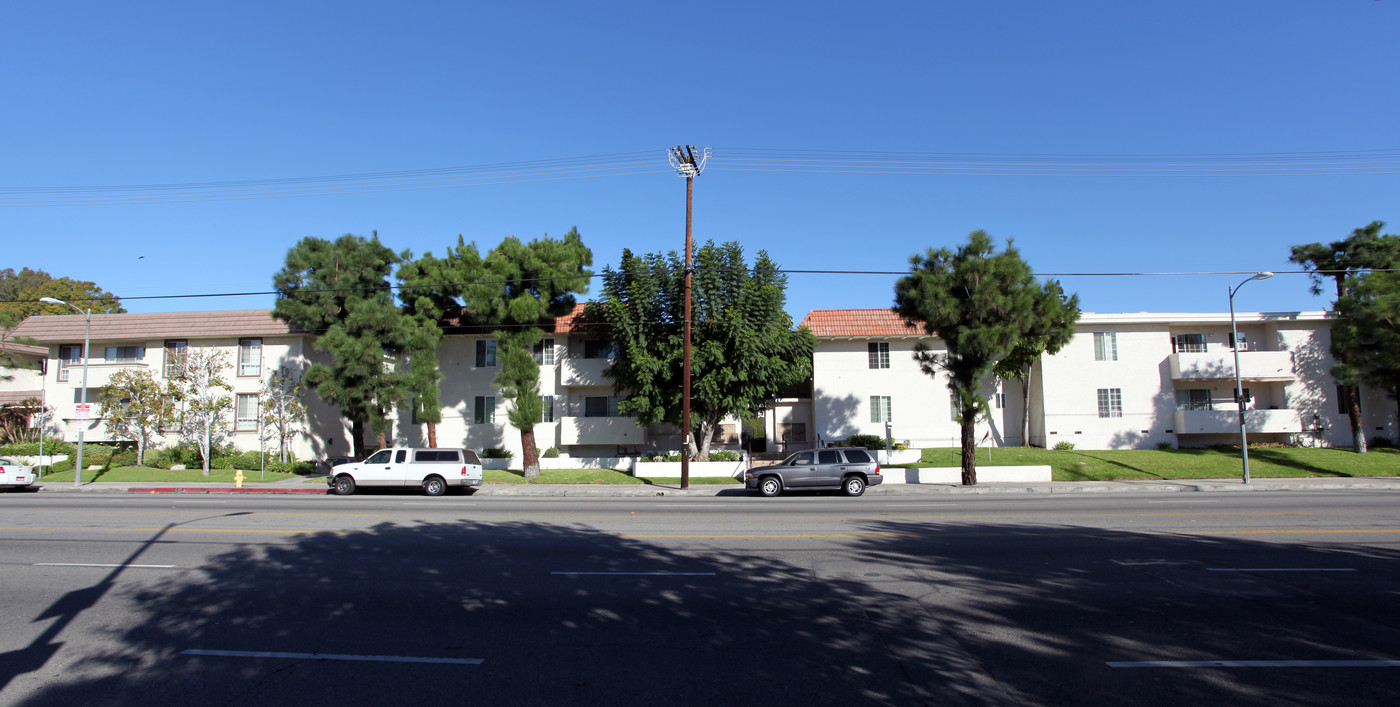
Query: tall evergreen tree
[[982, 305], [744, 349], [1347, 263], [340, 291], [1370, 307], [1051, 327]]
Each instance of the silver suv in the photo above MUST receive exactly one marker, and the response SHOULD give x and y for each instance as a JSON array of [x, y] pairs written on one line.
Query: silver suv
[[849, 469]]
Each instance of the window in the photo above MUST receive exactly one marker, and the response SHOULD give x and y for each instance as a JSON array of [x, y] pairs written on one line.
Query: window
[[485, 409], [828, 456], [1105, 346], [69, 355], [246, 412], [546, 408], [880, 408], [954, 407], [174, 348], [123, 354], [792, 431], [1001, 401], [1342, 400], [594, 348], [485, 353], [1110, 402], [858, 456], [1189, 343], [600, 406], [1192, 399], [544, 352], [250, 357], [380, 457], [879, 354]]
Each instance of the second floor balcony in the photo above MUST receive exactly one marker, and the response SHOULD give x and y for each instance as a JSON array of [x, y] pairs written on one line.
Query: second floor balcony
[[584, 371], [1261, 366], [1227, 421]]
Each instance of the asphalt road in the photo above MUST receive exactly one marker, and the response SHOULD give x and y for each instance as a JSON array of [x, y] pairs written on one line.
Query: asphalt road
[[1262, 598]]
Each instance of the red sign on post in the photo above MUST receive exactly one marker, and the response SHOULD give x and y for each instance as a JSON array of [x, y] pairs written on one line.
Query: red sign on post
[[84, 411]]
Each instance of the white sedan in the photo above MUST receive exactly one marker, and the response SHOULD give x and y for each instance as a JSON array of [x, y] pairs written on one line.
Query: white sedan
[[14, 474]]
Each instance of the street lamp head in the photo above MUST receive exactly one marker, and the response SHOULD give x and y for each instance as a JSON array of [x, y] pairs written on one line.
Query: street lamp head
[[51, 300], [1261, 276]]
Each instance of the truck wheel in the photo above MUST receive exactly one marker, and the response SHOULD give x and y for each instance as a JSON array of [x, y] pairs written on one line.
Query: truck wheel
[[770, 486], [853, 486], [434, 486], [344, 485]]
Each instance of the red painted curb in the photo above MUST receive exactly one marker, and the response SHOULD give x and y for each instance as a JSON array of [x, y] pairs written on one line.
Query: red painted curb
[[221, 490]]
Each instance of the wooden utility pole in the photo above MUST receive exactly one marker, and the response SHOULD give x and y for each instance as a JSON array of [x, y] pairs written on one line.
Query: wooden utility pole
[[684, 161]]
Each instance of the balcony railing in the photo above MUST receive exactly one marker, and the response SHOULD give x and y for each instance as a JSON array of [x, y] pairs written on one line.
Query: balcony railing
[[1227, 421], [583, 371], [1212, 366]]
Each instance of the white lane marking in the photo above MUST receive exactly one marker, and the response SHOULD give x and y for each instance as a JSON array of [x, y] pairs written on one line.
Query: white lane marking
[[97, 564], [646, 574], [332, 656], [1281, 569], [1196, 501], [692, 504], [1257, 664], [916, 505]]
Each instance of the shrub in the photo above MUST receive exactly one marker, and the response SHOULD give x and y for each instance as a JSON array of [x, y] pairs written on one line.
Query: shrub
[[496, 453], [551, 453], [724, 455], [1164, 446], [52, 445], [660, 457], [867, 441], [1381, 442], [1064, 446], [251, 461]]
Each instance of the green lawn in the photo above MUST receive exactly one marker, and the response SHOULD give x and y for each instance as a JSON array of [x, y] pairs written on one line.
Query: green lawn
[[1097, 465]]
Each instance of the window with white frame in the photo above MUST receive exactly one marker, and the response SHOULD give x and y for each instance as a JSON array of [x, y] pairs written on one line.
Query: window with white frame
[[69, 356], [485, 353], [249, 357], [880, 409], [123, 354], [546, 408], [246, 412], [879, 354], [1188, 343], [1105, 346], [600, 406], [544, 352], [1001, 401], [174, 349], [954, 407], [484, 411], [1342, 400], [1110, 402]]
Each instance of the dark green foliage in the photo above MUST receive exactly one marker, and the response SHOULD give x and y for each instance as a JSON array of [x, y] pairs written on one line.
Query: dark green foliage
[[982, 305], [866, 441], [745, 351], [496, 453], [1366, 334], [551, 453], [340, 291]]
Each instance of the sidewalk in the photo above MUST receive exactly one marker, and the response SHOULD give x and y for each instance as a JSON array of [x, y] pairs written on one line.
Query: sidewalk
[[298, 486]]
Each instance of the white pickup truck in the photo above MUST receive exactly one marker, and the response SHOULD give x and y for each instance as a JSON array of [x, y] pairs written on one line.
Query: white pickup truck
[[433, 470]]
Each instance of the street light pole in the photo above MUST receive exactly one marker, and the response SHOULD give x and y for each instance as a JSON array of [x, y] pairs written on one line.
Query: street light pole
[[82, 423], [1239, 387]]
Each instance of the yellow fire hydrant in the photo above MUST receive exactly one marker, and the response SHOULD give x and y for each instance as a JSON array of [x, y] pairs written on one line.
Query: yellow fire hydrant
[[238, 479]]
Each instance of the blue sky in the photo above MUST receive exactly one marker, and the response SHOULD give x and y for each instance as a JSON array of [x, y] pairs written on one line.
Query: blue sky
[[100, 94]]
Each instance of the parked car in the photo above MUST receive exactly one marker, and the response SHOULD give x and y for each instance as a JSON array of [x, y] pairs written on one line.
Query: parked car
[[434, 470], [849, 469], [14, 474]]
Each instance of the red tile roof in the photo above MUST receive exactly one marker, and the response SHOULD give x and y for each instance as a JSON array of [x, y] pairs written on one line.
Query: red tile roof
[[858, 322], [183, 325]]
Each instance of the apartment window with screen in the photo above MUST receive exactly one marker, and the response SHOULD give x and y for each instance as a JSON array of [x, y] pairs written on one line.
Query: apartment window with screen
[[880, 408], [1105, 346], [595, 348], [1189, 343], [600, 406], [546, 408], [246, 412], [1001, 401], [1110, 402], [485, 409], [544, 352], [250, 357], [69, 355], [123, 354], [1341, 400], [485, 353], [1193, 399], [879, 354], [174, 348]]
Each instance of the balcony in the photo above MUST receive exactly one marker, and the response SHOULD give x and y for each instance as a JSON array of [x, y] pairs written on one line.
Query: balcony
[[600, 430], [99, 372], [584, 371], [1227, 421], [1260, 366]]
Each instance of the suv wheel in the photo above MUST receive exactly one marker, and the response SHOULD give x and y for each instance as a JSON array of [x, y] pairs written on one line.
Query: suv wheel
[[853, 486], [434, 486], [770, 486]]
